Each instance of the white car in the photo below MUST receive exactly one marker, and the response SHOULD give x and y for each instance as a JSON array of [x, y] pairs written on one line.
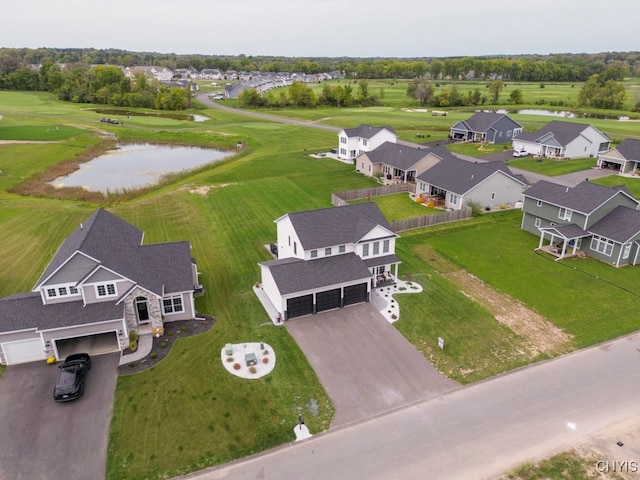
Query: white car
[[520, 153]]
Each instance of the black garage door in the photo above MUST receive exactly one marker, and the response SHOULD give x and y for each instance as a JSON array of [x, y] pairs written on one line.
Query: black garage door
[[299, 306], [328, 300], [355, 294]]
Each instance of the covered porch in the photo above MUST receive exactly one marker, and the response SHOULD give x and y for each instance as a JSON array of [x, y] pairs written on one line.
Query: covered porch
[[384, 270], [561, 241]]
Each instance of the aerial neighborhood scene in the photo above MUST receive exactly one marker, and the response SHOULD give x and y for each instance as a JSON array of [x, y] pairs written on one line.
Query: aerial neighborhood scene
[[252, 241]]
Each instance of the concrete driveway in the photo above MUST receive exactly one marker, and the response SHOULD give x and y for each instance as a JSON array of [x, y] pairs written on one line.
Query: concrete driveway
[[42, 439], [365, 365]]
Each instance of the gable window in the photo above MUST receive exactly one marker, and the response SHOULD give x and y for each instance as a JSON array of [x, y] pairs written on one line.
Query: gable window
[[602, 245], [342, 249], [376, 248], [73, 291], [327, 251], [172, 305], [539, 203], [385, 246], [51, 292], [537, 223], [565, 214], [627, 250], [106, 290], [63, 291], [365, 250], [314, 253]]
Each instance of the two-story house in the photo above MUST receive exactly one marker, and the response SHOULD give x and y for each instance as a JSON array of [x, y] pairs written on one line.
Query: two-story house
[[486, 127], [100, 285], [364, 138], [603, 222], [329, 258], [563, 140]]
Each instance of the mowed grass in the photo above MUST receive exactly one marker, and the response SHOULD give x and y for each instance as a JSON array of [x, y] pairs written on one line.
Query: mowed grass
[[552, 167], [399, 206], [632, 183], [39, 133]]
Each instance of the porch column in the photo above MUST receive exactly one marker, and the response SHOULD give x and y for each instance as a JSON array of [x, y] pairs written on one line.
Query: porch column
[[564, 248], [541, 240]]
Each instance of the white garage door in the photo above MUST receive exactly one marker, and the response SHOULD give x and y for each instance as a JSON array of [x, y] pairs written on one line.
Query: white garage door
[[23, 351]]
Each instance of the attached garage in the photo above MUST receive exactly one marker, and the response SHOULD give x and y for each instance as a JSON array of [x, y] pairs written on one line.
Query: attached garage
[[328, 300], [355, 294], [96, 344], [23, 351], [299, 306]]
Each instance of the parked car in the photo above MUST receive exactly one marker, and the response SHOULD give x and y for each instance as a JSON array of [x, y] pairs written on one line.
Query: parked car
[[73, 372], [520, 153]]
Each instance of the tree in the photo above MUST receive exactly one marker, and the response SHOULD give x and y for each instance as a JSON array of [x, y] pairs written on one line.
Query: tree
[[495, 88], [516, 96], [420, 90], [598, 92]]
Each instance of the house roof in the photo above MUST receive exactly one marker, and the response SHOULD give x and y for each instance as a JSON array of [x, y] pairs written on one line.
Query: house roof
[[396, 155], [629, 148], [556, 133], [26, 310], [331, 226], [366, 131], [296, 275], [621, 225], [584, 197], [460, 176], [482, 121], [568, 231], [116, 245]]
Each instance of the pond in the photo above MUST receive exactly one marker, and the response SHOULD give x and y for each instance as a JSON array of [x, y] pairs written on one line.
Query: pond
[[561, 113], [173, 116], [137, 165]]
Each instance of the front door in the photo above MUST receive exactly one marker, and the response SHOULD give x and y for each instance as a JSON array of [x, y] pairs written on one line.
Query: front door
[[142, 309]]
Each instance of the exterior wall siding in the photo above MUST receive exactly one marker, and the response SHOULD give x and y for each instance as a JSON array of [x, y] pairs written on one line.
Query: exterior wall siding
[[74, 270], [90, 296], [506, 190]]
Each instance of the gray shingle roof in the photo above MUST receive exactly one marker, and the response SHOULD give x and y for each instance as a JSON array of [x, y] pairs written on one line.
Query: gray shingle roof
[[568, 231], [26, 310], [460, 176], [482, 121], [366, 131], [584, 197], [562, 132], [116, 244], [327, 227], [622, 225], [294, 275], [396, 155], [630, 149]]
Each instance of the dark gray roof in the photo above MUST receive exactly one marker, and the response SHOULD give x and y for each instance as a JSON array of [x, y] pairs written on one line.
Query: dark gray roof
[[116, 244], [629, 148], [327, 227], [482, 121], [26, 310], [568, 231], [366, 131], [621, 225], [377, 261], [296, 275], [562, 132], [460, 176], [396, 155], [584, 197]]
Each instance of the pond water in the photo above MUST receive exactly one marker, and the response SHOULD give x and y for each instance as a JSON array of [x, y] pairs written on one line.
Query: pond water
[[559, 113], [550, 113], [173, 116], [137, 165]]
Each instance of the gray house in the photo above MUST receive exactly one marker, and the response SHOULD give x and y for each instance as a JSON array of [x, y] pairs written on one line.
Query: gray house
[[101, 285], [395, 162], [486, 127], [452, 183], [625, 158], [602, 222]]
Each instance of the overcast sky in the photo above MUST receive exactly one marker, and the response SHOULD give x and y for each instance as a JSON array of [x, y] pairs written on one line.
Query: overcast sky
[[325, 28]]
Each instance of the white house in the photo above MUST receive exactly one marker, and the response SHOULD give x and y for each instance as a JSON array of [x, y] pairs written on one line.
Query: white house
[[563, 140], [329, 258], [364, 138]]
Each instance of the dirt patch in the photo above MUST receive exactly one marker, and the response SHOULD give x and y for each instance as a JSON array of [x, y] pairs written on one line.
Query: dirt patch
[[203, 190], [542, 335]]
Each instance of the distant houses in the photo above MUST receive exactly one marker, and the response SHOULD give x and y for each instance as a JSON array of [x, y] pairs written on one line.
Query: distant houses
[[486, 127]]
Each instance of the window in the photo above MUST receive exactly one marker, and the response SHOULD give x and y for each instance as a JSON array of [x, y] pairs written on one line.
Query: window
[[289, 240], [508, 133], [364, 142], [343, 139], [327, 251], [73, 291], [295, 248], [537, 223], [342, 249], [365, 250], [493, 195], [369, 167], [385, 246], [565, 214], [353, 153], [106, 290], [172, 305], [539, 203], [626, 251], [314, 253], [376, 248], [454, 199], [62, 291], [51, 292], [380, 270], [362, 165], [602, 245], [422, 186], [343, 151]]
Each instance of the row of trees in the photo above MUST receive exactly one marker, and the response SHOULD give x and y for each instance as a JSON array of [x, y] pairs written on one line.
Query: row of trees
[[531, 68], [105, 85]]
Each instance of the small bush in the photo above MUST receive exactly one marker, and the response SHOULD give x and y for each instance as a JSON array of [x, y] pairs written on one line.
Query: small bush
[[252, 369], [133, 344], [229, 359], [154, 354], [236, 366], [163, 344], [265, 352], [184, 329], [132, 364]]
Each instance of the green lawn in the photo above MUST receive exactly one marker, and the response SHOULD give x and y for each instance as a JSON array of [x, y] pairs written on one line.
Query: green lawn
[[188, 412], [399, 206], [551, 167], [632, 183]]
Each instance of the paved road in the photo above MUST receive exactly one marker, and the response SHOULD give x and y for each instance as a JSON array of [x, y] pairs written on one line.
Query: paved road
[[364, 363], [475, 432]]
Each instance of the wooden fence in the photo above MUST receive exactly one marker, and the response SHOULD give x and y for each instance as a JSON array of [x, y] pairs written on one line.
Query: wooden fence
[[339, 199], [428, 220]]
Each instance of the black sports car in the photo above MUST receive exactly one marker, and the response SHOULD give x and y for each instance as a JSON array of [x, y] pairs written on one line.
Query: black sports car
[[70, 383]]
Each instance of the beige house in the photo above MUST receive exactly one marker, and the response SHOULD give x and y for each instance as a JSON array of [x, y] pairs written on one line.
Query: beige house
[[395, 163]]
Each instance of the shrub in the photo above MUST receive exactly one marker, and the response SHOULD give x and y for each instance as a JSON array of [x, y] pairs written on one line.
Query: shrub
[[252, 369], [184, 329], [265, 360], [476, 208], [154, 354], [164, 344], [265, 352], [419, 200], [133, 344], [132, 364], [236, 366], [229, 359]]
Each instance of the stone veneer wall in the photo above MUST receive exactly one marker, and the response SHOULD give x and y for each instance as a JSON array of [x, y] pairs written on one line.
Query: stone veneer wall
[[131, 318]]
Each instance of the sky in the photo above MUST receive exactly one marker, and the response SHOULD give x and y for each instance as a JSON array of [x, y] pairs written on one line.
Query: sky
[[325, 28]]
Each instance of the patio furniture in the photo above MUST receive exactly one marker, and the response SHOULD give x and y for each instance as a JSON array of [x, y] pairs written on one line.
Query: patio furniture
[[250, 359], [228, 349]]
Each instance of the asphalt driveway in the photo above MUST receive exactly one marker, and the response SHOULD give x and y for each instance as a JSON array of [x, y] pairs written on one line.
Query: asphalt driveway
[[365, 365], [42, 439]]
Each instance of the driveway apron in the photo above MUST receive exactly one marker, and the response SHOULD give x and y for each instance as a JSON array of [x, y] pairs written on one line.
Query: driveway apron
[[366, 366]]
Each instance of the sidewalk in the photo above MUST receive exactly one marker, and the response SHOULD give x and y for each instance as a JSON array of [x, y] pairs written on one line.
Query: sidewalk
[[145, 344]]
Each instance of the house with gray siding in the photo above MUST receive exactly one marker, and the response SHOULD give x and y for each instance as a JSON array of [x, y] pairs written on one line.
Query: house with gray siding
[[559, 139], [486, 127], [602, 222], [101, 285], [624, 159], [395, 162]]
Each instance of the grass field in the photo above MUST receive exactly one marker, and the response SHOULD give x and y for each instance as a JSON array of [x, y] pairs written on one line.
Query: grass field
[[203, 416], [552, 167]]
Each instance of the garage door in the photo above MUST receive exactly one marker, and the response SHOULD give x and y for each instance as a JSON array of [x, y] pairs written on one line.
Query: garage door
[[97, 344], [328, 300], [355, 294], [23, 351], [299, 306]]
